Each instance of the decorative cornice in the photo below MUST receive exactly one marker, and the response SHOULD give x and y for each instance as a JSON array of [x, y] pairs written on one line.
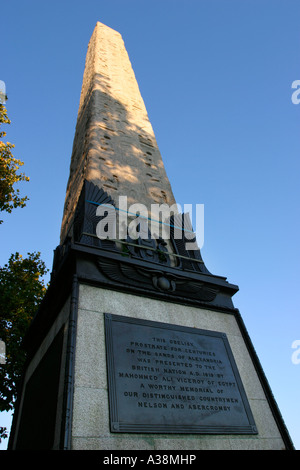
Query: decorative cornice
[[156, 279]]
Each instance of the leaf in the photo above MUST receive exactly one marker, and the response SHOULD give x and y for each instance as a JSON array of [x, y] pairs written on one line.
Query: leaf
[[21, 290]]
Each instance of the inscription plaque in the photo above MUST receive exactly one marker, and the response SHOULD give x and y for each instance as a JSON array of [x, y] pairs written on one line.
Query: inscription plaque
[[165, 378]]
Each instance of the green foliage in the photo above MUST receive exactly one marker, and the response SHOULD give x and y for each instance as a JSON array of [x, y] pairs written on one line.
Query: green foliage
[[21, 282], [3, 434], [9, 196], [21, 291]]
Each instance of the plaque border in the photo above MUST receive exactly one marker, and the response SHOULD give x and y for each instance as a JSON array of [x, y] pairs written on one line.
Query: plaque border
[[118, 427]]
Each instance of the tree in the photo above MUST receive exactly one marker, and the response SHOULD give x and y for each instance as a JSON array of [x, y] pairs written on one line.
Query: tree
[[3, 434], [21, 290], [9, 196]]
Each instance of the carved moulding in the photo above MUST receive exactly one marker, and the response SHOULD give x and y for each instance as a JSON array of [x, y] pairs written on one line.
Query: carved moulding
[[148, 249], [155, 280]]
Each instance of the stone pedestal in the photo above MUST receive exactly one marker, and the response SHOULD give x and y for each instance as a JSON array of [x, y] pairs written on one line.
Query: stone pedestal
[[65, 399]]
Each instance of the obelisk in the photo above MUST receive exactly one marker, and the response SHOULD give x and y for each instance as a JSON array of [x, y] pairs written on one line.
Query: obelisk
[[136, 345], [114, 145]]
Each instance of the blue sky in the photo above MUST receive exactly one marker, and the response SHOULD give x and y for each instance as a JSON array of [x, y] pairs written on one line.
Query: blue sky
[[216, 79]]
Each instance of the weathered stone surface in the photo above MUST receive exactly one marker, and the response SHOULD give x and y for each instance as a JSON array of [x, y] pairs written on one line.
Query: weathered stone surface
[[114, 145], [91, 388]]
